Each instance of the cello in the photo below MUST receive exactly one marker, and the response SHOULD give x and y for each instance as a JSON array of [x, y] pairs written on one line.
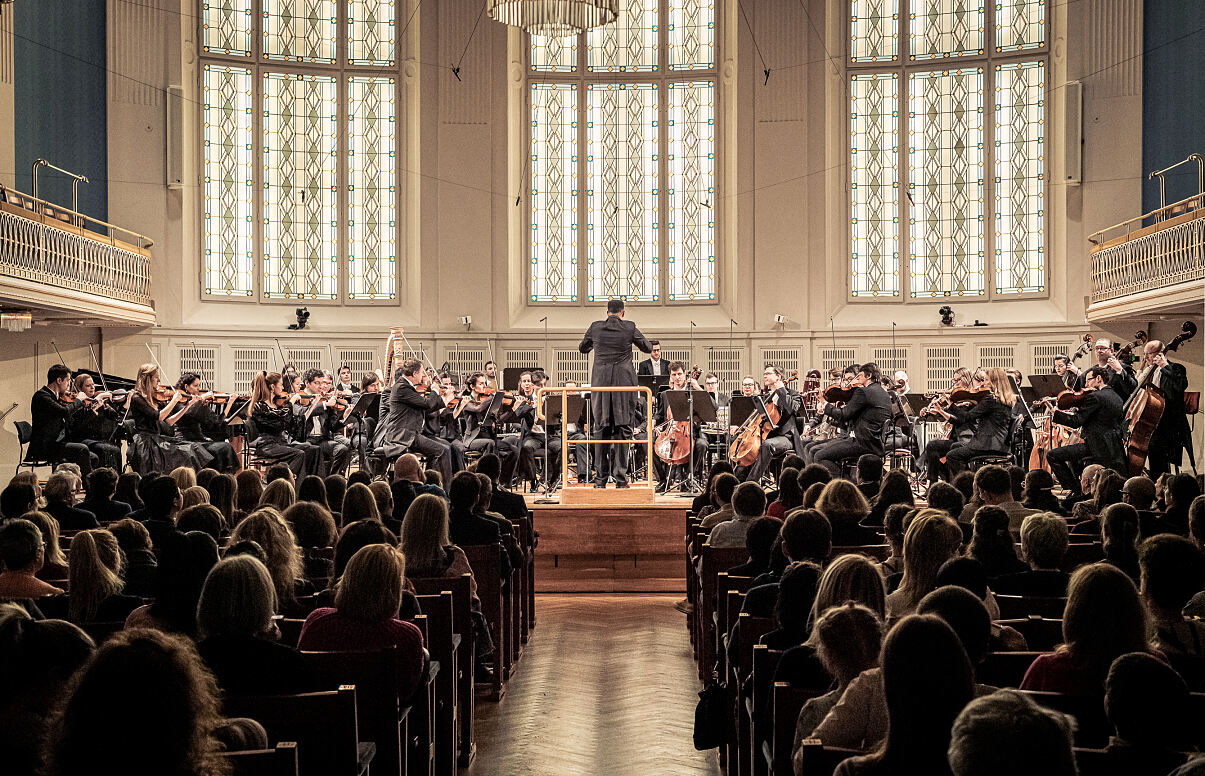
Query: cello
[[746, 443], [1144, 408], [673, 441]]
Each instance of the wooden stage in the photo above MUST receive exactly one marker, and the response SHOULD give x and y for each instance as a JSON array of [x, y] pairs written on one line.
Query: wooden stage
[[611, 547]]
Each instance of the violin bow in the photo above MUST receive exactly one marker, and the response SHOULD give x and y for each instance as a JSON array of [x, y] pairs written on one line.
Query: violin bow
[[196, 353], [62, 360], [96, 363]]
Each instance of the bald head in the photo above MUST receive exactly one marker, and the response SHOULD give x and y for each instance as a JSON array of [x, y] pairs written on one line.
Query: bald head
[[408, 468]]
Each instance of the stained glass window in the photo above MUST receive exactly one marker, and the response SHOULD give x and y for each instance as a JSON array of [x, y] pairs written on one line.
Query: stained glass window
[[227, 139], [553, 192], [300, 135], [628, 110], [956, 182]]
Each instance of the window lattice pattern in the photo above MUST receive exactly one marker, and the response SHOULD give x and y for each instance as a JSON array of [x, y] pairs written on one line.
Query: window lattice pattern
[[1020, 24], [945, 160], [874, 183], [226, 27], [299, 30], [691, 34], [875, 30], [621, 164], [1019, 175], [370, 32], [692, 190], [300, 259], [553, 55], [629, 44], [372, 188], [553, 192], [227, 138], [941, 29]]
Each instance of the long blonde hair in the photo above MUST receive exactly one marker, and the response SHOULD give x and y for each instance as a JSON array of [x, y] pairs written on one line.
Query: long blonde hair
[[94, 572], [371, 586], [932, 538], [50, 534], [184, 476], [191, 496], [279, 495], [142, 382], [268, 528], [1001, 386], [848, 578], [425, 533]]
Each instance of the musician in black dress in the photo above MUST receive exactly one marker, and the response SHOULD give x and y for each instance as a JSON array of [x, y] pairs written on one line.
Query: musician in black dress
[[1118, 376], [155, 445], [1099, 418], [612, 413], [364, 427], [866, 413], [960, 431], [991, 418], [678, 381], [1172, 434], [49, 418], [272, 421], [94, 422], [1066, 369], [443, 423], [784, 437], [200, 424], [482, 428]]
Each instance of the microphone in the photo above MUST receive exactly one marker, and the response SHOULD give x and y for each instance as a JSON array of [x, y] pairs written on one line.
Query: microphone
[[734, 323], [544, 319]]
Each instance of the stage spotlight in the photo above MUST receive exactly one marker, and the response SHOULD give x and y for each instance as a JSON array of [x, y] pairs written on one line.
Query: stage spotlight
[[947, 316], [303, 317]]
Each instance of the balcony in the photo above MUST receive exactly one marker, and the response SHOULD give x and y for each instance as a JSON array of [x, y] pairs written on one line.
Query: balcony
[[68, 265]]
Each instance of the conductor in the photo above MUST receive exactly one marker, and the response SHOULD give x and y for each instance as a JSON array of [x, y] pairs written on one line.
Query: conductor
[[613, 412]]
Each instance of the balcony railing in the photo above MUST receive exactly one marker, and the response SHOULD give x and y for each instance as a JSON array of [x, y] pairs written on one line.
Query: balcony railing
[[42, 242], [1163, 248]]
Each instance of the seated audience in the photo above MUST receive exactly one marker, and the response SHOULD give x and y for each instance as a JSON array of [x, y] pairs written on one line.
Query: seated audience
[[467, 527], [359, 476], [1148, 705], [759, 541], [947, 498], [964, 483], [60, 503], [161, 497], [1043, 544], [1037, 492], [16, 499], [54, 563], [238, 638], [279, 471], [205, 476], [993, 487], [992, 543], [312, 488], [249, 489], [895, 489], [140, 564], [201, 517], [359, 504], [191, 497], [1196, 533], [1181, 489], [805, 535], [812, 474], [721, 501], [1173, 571], [384, 498], [184, 476], [95, 583], [789, 494], [128, 491], [102, 487], [893, 530], [336, 489], [811, 496], [870, 473], [703, 500], [184, 562], [1119, 529], [1006, 734], [1104, 619], [846, 507], [1105, 491], [315, 532], [792, 609], [22, 552], [932, 538], [506, 529], [269, 529], [223, 494], [748, 504], [968, 574], [278, 494], [1139, 492]]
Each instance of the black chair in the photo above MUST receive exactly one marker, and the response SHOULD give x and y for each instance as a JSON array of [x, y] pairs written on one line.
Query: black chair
[[1010, 454], [24, 435]]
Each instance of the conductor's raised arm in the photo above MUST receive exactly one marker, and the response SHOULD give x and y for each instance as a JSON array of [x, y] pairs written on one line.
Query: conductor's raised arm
[[587, 343], [638, 340]]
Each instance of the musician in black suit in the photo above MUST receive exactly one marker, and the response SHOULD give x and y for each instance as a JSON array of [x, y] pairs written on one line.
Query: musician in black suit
[[655, 365], [678, 381], [784, 437], [407, 412], [612, 413], [345, 386], [1099, 420], [322, 423], [1172, 434], [1118, 376], [866, 412], [991, 418], [49, 416], [94, 421]]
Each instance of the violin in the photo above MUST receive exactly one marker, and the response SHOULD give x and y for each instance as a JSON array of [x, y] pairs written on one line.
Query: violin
[[969, 395], [837, 393]]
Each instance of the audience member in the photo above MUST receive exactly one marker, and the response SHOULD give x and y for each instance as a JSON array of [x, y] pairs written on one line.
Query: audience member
[[1043, 544], [279, 471], [191, 497], [140, 563], [162, 499], [1037, 492], [313, 488], [16, 499], [60, 503], [846, 507], [1006, 734], [201, 517], [1139, 492], [102, 486], [748, 504], [268, 528], [811, 474], [506, 529], [127, 490], [931, 539], [720, 509], [964, 483], [992, 543], [184, 562], [249, 488], [315, 532], [703, 500], [893, 530], [870, 473], [95, 583], [789, 494], [759, 541], [968, 574], [812, 495], [1181, 489], [278, 495], [1148, 705], [466, 527], [205, 476], [336, 489], [512, 506], [21, 555], [360, 504], [223, 494], [1173, 571], [384, 498], [360, 476], [993, 487], [1119, 529], [895, 489], [1016, 476], [947, 498], [185, 477], [796, 594], [54, 562]]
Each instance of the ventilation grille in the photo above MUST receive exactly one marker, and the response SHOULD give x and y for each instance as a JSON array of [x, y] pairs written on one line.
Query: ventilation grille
[[360, 362], [527, 359], [786, 359], [200, 360], [726, 363], [670, 355], [466, 361], [940, 365], [571, 365], [304, 358], [247, 363], [1003, 356], [836, 359], [890, 359], [1043, 357]]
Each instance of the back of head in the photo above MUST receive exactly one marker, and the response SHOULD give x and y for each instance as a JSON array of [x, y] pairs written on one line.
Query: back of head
[[1173, 571], [1181, 490], [812, 494], [95, 573], [992, 483], [490, 465], [20, 544], [408, 467], [425, 532], [1104, 617], [279, 495], [161, 497], [811, 474], [359, 475], [1141, 491], [370, 588], [893, 524], [201, 517], [749, 500], [237, 599], [16, 499], [223, 492], [312, 524], [131, 535], [932, 538], [992, 542], [50, 535], [127, 489], [205, 475], [796, 594], [963, 611], [312, 488], [807, 535], [848, 639], [1044, 538], [789, 494], [360, 534], [190, 497], [1006, 734], [1037, 487], [1148, 703], [336, 489], [842, 502], [870, 468], [964, 483], [60, 488], [184, 477], [359, 504], [382, 494], [895, 489], [278, 471], [38, 657], [250, 487], [760, 537], [464, 490], [1016, 476], [184, 562], [724, 486], [947, 498], [1196, 520], [967, 573], [102, 483], [485, 494], [1108, 489], [851, 577]]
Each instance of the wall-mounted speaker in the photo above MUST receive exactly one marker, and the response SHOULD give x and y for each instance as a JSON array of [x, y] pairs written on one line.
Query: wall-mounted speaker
[[175, 137], [1073, 137]]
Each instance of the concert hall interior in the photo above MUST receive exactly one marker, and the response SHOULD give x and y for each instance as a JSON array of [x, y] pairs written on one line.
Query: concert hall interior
[[972, 232]]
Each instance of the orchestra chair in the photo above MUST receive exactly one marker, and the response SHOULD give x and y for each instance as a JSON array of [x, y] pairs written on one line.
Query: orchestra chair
[[1013, 607], [757, 702], [24, 435], [323, 726], [278, 761], [1010, 454]]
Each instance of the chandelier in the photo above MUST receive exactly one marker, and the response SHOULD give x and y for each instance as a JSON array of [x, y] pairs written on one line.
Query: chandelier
[[554, 18]]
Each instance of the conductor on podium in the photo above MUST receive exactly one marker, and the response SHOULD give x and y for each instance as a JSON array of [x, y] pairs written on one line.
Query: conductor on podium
[[612, 412]]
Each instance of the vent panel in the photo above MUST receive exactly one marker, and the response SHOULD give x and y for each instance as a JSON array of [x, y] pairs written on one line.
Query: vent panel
[[726, 363], [360, 361], [571, 365], [304, 358], [202, 361], [940, 365], [890, 359], [1003, 356], [527, 359], [1043, 357], [465, 361], [836, 359], [247, 363]]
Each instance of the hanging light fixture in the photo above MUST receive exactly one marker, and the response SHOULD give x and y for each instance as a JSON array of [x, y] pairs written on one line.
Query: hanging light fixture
[[554, 18]]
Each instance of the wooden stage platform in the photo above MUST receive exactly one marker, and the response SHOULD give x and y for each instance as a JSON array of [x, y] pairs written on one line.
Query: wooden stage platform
[[611, 547]]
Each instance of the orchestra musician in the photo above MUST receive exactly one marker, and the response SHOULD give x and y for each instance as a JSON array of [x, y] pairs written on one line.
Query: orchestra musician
[[833, 428], [654, 365], [491, 374], [1120, 377], [364, 427], [613, 412], [155, 446], [408, 408], [345, 386], [960, 430], [865, 414], [200, 424], [322, 422], [288, 381], [711, 383], [540, 437], [900, 434], [991, 418], [481, 430], [575, 433], [272, 422], [1172, 434], [678, 381], [784, 437], [93, 421], [1099, 419], [1066, 369], [520, 413], [50, 418]]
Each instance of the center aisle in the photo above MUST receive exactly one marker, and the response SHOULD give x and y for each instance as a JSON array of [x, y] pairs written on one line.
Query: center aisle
[[606, 686]]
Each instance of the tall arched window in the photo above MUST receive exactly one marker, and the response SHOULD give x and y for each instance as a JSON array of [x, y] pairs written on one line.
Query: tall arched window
[[622, 160], [299, 136], [947, 148]]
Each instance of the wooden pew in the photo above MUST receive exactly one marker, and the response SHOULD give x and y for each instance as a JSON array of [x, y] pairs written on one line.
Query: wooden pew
[[279, 761], [821, 760], [786, 703], [758, 704], [443, 645], [749, 630], [1005, 669], [1041, 634], [712, 561], [290, 631], [526, 602], [487, 571], [1092, 728], [1016, 606], [876, 552], [518, 596], [322, 724], [462, 621], [1080, 553]]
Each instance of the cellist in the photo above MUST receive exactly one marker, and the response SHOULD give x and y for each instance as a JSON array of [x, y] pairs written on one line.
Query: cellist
[[1172, 433], [678, 381], [782, 438]]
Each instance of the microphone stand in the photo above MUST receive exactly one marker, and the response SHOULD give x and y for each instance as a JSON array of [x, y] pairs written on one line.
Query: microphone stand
[[548, 489], [690, 484]]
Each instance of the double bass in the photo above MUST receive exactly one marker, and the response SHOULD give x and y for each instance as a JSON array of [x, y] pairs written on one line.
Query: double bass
[[1144, 408]]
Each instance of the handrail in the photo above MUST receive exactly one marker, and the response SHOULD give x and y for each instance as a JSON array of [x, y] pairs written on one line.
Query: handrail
[[648, 436], [76, 178], [39, 206], [1175, 208], [1200, 160]]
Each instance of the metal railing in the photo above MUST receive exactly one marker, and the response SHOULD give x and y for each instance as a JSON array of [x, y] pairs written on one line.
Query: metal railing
[[565, 441], [45, 243], [1158, 249]]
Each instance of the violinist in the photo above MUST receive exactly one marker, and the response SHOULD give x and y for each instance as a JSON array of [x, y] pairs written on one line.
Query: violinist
[[321, 422], [900, 435], [1120, 377], [155, 446], [540, 437], [410, 399], [960, 431], [1172, 434], [201, 425], [515, 420], [990, 416], [345, 386], [364, 426], [94, 420], [50, 416], [443, 423], [784, 437], [865, 414], [288, 382], [272, 422], [1065, 368], [826, 428], [678, 381], [491, 375], [1099, 418]]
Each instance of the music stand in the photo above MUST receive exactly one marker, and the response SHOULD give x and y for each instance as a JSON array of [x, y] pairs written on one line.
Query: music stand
[[916, 402], [1047, 385], [698, 406], [655, 383], [510, 376], [367, 405], [1029, 394]]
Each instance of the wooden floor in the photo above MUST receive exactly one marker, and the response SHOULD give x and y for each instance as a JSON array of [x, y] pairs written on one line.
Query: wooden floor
[[606, 686]]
